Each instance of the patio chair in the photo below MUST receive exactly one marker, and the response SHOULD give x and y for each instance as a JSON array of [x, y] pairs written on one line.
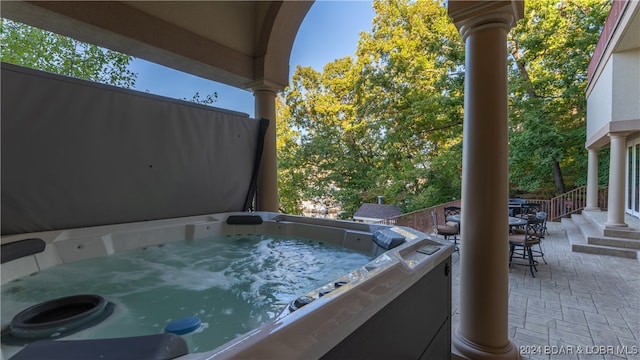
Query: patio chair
[[529, 209], [524, 242], [447, 231], [543, 215], [451, 210], [543, 230]]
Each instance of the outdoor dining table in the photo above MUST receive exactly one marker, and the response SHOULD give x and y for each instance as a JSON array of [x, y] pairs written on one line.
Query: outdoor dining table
[[515, 208], [516, 222], [513, 221]]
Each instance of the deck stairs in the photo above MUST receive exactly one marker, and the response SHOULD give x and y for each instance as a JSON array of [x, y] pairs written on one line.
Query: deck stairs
[[588, 234]]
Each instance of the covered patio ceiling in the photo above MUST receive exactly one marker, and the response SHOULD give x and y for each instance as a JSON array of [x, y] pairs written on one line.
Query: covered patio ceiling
[[245, 44]]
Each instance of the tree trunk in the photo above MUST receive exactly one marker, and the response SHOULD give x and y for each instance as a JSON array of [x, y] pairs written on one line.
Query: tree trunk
[[557, 177], [517, 56]]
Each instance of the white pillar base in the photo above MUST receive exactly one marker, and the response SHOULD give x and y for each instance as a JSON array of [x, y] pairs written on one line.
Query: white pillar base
[[462, 348], [615, 225]]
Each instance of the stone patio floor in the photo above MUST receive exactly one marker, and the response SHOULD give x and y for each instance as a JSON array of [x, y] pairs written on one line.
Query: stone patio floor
[[579, 306]]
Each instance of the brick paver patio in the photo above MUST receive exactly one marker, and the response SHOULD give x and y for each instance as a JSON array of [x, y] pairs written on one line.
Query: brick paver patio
[[579, 306]]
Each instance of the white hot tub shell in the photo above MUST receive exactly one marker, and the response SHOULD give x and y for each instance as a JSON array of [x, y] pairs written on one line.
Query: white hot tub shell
[[396, 306]]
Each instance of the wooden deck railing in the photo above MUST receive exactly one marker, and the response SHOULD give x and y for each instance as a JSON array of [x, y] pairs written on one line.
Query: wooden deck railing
[[574, 202], [571, 202], [558, 207]]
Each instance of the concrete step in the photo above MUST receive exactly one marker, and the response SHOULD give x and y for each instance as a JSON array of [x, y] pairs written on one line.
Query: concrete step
[[630, 232], [586, 227], [594, 235], [580, 244], [615, 242]]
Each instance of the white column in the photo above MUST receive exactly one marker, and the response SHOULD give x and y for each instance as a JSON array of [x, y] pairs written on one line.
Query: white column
[[592, 181], [617, 167], [484, 273], [265, 107]]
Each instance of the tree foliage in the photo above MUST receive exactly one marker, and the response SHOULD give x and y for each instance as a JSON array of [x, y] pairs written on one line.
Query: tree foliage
[[389, 121], [43, 50], [549, 52], [384, 122], [411, 84], [206, 100], [290, 178]]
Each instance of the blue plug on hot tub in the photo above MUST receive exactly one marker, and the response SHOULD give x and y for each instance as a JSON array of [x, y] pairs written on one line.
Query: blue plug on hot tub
[[183, 326]]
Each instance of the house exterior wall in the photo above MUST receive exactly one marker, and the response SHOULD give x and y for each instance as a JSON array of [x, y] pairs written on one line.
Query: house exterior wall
[[613, 110], [599, 103], [626, 86], [612, 103], [614, 77]]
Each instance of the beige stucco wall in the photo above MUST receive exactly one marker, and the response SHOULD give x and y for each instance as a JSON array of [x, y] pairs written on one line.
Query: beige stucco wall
[[626, 89], [612, 103], [599, 101]]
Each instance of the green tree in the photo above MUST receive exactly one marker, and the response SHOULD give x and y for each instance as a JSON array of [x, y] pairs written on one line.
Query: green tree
[[334, 148], [411, 84], [549, 52], [387, 122], [207, 100], [43, 50], [291, 180]]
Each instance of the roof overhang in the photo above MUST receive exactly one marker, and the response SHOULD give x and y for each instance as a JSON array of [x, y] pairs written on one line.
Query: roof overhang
[[620, 33], [239, 43]]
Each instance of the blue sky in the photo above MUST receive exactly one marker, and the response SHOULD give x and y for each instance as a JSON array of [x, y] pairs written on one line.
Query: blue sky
[[329, 31]]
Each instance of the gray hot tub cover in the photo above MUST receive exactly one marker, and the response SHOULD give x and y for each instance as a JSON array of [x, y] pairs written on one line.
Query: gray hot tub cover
[[76, 153]]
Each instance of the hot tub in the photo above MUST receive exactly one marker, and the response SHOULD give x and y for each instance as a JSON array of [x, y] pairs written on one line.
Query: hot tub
[[396, 305]]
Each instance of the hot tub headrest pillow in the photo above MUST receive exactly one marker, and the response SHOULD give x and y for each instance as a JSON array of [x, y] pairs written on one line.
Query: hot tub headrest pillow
[[244, 220], [388, 239], [21, 248]]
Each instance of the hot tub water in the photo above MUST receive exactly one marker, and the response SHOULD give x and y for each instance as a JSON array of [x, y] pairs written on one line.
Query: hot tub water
[[233, 283]]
